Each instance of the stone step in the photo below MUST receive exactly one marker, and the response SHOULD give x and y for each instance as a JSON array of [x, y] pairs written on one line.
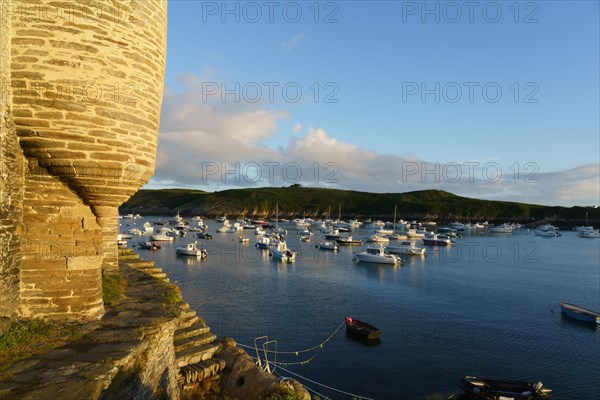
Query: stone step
[[195, 354], [188, 314], [200, 371], [192, 341], [140, 263], [151, 270], [126, 252], [197, 328], [186, 322], [161, 275], [129, 257]]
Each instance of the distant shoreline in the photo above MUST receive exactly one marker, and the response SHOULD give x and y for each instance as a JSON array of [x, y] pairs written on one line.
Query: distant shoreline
[[297, 202]]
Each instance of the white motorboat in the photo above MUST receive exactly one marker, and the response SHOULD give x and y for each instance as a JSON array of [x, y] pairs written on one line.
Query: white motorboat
[[148, 228], [503, 228], [328, 245], [281, 252], [415, 233], [583, 228], [376, 254], [589, 234], [408, 247], [546, 230], [349, 241], [135, 231], [244, 239], [437, 239], [377, 239], [191, 249], [264, 243], [161, 237]]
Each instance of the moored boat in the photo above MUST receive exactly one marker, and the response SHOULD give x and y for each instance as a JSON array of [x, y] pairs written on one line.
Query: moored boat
[[436, 240], [580, 313], [408, 247], [376, 254], [349, 241], [161, 237], [472, 387], [362, 329], [328, 245], [148, 245], [281, 252], [191, 249]]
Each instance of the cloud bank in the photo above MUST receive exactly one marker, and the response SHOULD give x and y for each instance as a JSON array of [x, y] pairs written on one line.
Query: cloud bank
[[212, 145]]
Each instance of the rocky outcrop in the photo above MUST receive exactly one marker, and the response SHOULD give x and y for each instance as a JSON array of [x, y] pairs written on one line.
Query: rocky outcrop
[[150, 345]]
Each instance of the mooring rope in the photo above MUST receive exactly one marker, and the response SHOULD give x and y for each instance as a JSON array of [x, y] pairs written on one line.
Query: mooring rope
[[319, 346], [354, 396]]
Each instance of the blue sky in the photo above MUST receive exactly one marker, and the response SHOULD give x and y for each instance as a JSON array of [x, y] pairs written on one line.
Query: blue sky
[[510, 110]]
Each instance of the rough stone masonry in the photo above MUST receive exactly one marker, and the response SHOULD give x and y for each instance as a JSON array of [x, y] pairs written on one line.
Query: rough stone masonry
[[81, 90]]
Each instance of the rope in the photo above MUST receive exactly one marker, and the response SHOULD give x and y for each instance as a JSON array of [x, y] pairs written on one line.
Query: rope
[[319, 346], [354, 396]]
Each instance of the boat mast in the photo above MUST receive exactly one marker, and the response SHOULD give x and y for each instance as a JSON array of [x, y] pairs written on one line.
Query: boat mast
[[395, 206], [340, 213]]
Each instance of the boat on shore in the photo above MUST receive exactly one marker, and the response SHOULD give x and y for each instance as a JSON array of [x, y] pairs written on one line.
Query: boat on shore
[[362, 329], [472, 387], [580, 313]]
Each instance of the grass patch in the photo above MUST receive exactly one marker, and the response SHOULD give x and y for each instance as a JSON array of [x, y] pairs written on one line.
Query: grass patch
[[283, 395], [170, 299], [26, 338], [113, 288]]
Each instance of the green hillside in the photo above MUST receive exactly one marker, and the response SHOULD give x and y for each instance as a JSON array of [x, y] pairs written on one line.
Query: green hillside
[[315, 202]]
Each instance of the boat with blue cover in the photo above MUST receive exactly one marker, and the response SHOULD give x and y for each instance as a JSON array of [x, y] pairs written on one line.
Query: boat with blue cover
[[580, 313]]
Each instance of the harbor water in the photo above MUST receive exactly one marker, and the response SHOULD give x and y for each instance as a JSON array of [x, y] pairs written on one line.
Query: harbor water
[[486, 306]]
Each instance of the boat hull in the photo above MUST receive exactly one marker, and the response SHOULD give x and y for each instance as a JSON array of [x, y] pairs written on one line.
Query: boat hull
[[579, 313], [362, 329]]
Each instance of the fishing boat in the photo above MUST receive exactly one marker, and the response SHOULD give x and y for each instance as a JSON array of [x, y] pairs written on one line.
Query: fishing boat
[[349, 241], [203, 235], [408, 247], [362, 329], [264, 243], [580, 313], [244, 239], [376, 254], [148, 245], [191, 249], [472, 387], [328, 245]]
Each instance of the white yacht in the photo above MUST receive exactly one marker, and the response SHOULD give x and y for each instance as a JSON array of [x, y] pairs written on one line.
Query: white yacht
[[589, 234], [503, 228], [546, 230], [376, 254]]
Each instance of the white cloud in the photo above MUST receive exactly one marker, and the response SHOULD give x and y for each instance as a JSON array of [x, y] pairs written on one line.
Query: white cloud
[[211, 145]]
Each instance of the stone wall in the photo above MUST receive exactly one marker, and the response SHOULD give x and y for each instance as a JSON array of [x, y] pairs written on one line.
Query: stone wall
[[11, 183], [84, 90]]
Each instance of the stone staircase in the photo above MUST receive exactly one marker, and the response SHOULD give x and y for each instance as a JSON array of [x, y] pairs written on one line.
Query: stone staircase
[[195, 345]]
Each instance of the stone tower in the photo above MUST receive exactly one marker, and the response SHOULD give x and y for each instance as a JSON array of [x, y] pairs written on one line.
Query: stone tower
[[82, 86]]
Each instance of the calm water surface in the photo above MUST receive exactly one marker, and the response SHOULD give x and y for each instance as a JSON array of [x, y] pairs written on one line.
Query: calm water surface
[[487, 306]]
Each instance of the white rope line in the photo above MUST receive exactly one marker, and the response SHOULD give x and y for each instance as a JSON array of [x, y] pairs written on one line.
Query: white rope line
[[300, 351], [327, 387]]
